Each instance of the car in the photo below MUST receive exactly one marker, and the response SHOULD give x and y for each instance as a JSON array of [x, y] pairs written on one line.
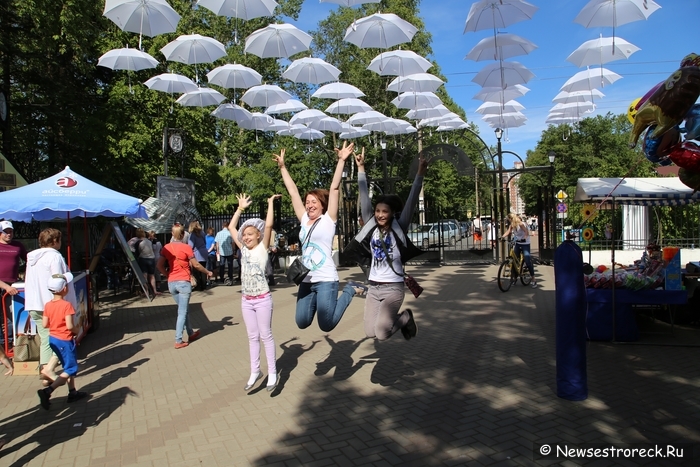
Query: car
[[428, 235], [465, 228], [455, 224]]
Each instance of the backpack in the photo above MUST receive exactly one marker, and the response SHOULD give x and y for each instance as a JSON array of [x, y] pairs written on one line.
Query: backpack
[[137, 250]]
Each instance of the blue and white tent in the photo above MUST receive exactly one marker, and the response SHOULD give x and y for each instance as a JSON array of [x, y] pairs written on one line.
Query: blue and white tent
[[661, 191]]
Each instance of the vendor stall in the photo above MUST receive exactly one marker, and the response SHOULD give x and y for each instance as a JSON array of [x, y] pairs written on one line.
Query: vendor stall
[[652, 280]]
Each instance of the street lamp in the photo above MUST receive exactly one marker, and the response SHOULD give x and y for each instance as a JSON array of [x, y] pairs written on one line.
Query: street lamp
[[382, 143], [499, 202], [553, 230]]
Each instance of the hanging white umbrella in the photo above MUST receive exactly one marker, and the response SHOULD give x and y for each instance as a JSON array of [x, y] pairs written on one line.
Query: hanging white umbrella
[[417, 82], [309, 134], [590, 79], [232, 112], [234, 76], [348, 105], [506, 120], [452, 125], [149, 17], [600, 51], [307, 116], [265, 95], [292, 105], [369, 116], [277, 125], [243, 9], [258, 121], [498, 94], [497, 14], [202, 97], [503, 74], [191, 49], [399, 63], [354, 133], [419, 114], [292, 130], [384, 125], [380, 31], [337, 91], [500, 47], [277, 40], [435, 121], [557, 119], [171, 83], [416, 100], [505, 124], [577, 96], [496, 107], [580, 107], [327, 124], [349, 3], [311, 70], [127, 59], [405, 130]]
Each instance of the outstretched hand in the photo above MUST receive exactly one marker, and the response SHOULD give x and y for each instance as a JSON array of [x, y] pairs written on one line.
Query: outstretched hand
[[422, 165], [243, 200], [360, 158], [279, 158], [272, 198], [344, 152]]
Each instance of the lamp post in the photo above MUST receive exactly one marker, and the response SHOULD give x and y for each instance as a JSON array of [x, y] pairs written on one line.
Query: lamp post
[[551, 155], [498, 205], [382, 143]]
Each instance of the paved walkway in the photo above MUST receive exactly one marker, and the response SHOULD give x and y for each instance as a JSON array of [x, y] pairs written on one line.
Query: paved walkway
[[475, 387]]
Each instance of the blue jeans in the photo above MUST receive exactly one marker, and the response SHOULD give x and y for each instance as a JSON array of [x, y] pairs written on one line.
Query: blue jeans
[[322, 297], [181, 291], [211, 263], [525, 248]]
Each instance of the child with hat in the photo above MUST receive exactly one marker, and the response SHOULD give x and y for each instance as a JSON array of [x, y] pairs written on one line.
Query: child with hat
[[58, 319]]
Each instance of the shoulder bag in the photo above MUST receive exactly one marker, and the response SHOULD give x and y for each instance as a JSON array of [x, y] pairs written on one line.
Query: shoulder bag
[[410, 282], [26, 346], [297, 271]]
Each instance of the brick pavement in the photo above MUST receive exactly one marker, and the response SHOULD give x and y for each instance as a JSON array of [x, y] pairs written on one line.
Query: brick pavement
[[475, 387]]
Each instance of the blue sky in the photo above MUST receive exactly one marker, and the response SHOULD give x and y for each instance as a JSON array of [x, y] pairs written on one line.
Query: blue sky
[[665, 38]]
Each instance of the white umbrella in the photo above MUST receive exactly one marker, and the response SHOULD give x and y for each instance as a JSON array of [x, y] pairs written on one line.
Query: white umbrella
[[498, 94], [354, 133], [496, 107], [416, 100], [277, 125], [500, 47], [580, 107], [417, 82], [311, 70], [497, 14], [590, 79], [171, 83], [349, 3], [600, 51], [234, 76], [452, 125], [243, 9], [309, 134], [503, 74], [506, 120], [194, 48], [614, 13], [258, 121], [327, 124], [509, 123], [292, 130], [127, 59], [202, 97], [307, 116], [149, 17], [232, 112], [277, 40], [556, 119], [265, 95], [380, 31], [399, 63], [384, 125], [370, 116], [400, 130], [419, 114], [435, 121], [349, 105], [337, 91], [292, 105], [577, 96]]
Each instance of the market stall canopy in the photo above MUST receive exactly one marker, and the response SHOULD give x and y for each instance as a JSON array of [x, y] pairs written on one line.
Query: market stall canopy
[[162, 214], [663, 191], [67, 193]]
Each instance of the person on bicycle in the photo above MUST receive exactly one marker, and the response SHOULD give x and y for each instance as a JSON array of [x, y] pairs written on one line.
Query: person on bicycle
[[522, 242]]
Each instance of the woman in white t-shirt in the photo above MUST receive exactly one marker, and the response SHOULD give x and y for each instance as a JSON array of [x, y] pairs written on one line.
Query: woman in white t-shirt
[[253, 238], [318, 214], [522, 242]]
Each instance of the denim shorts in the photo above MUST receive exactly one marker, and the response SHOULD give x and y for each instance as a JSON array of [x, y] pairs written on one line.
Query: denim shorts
[[66, 352]]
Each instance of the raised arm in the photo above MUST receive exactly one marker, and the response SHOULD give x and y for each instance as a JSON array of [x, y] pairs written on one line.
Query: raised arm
[[243, 202], [334, 190], [410, 206], [365, 203], [297, 202], [269, 220]]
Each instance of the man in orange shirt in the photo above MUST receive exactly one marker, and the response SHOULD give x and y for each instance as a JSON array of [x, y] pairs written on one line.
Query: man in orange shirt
[[58, 319]]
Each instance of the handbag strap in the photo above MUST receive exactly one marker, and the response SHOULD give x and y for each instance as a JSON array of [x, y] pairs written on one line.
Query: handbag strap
[[388, 258], [308, 237], [27, 325]]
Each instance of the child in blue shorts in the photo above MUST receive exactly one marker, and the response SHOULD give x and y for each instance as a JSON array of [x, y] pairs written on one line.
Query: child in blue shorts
[[58, 319]]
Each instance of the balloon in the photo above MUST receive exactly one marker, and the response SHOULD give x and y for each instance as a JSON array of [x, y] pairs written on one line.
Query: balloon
[[686, 155], [690, 179], [692, 123], [656, 149], [669, 104], [646, 96], [632, 110], [691, 59]]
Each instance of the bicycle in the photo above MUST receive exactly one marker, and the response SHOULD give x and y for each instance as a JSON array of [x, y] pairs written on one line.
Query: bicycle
[[512, 267]]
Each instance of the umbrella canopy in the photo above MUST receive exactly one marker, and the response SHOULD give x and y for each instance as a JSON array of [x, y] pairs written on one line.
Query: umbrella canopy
[[496, 107], [401, 130], [127, 59], [258, 121], [243, 9], [307, 116], [337, 91], [327, 124], [171, 83], [417, 82], [311, 70], [66, 193], [614, 13], [232, 112], [435, 121], [416, 100], [498, 94], [590, 79], [277, 40], [386, 125], [580, 107], [292, 105], [309, 134], [191, 49], [577, 96], [349, 105], [149, 17], [600, 51], [500, 47], [419, 114], [234, 76], [370, 116], [506, 120], [497, 14], [380, 31], [202, 97], [503, 74], [354, 133], [556, 119], [349, 3], [399, 63], [292, 130], [265, 95], [277, 125]]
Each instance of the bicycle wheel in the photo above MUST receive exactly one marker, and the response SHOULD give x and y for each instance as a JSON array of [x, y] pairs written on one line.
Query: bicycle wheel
[[525, 276], [505, 275]]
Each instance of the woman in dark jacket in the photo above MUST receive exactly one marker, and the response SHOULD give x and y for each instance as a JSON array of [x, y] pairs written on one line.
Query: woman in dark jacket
[[198, 242]]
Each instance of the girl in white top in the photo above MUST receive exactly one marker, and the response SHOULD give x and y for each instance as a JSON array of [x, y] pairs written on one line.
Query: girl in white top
[[319, 211], [522, 242], [253, 239]]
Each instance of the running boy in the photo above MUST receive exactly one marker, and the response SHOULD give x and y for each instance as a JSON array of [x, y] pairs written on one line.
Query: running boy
[[58, 319]]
